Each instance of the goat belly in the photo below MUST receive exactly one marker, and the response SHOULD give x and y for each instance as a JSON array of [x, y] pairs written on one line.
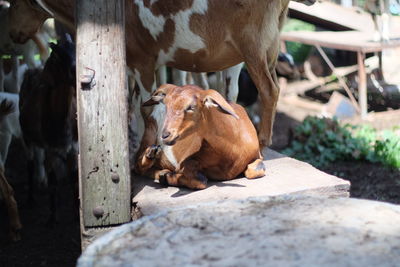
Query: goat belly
[[224, 171], [218, 167]]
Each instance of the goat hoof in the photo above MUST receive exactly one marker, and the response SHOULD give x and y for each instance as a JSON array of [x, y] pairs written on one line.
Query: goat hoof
[[15, 235], [163, 178], [153, 151], [202, 181], [201, 178], [264, 143]]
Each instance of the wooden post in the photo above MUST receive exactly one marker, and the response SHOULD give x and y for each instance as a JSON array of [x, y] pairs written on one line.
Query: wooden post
[[102, 113], [362, 84]]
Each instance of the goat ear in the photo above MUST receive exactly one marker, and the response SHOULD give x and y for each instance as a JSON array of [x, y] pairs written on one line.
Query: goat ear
[[159, 94], [53, 46], [68, 38], [6, 107], [214, 99]]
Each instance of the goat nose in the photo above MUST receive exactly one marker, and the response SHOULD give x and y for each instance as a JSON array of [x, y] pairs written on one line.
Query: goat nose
[[165, 134]]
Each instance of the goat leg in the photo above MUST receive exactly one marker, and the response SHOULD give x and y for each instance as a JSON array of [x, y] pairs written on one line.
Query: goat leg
[[12, 208], [14, 74], [2, 75], [189, 176], [256, 169], [53, 199], [147, 159], [263, 76], [31, 199], [179, 179], [160, 175], [73, 175], [50, 166], [377, 33]]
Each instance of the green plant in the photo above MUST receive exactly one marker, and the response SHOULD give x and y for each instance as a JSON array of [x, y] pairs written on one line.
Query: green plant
[[388, 149], [321, 141], [299, 51]]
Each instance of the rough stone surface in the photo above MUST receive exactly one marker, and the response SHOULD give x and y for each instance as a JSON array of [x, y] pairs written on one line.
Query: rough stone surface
[[284, 176], [269, 231]]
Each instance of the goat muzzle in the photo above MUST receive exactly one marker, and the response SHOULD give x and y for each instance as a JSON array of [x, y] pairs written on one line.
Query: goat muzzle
[[165, 134], [168, 138]]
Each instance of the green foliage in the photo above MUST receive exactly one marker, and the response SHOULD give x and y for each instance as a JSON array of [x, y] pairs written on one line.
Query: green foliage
[[321, 141], [388, 149], [37, 56], [299, 51]]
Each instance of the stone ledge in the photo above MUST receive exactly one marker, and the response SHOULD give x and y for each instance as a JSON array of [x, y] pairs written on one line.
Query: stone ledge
[[284, 176], [263, 231]]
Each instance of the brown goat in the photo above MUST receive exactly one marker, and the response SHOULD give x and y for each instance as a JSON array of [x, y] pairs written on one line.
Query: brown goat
[[203, 136]]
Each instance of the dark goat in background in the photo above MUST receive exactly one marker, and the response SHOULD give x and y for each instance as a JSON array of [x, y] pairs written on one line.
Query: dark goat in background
[[248, 91], [48, 114]]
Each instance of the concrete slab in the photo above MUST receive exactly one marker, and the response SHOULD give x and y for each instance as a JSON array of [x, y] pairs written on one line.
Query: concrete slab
[[266, 231], [284, 176]]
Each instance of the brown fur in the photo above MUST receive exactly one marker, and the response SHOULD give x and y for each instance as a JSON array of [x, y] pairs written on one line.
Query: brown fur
[[210, 138], [233, 31], [8, 194]]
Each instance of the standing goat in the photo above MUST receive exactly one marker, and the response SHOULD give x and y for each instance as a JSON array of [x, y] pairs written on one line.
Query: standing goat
[[27, 50], [380, 7], [48, 112], [203, 136], [190, 35]]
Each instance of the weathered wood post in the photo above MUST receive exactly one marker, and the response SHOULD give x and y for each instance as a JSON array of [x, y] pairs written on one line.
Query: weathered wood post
[[102, 114]]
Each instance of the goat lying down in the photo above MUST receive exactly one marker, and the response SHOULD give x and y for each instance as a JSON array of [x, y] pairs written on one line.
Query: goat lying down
[[203, 136]]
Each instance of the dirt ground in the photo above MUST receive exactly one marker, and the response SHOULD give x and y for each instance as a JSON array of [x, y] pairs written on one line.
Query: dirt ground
[[368, 181], [40, 244], [60, 246]]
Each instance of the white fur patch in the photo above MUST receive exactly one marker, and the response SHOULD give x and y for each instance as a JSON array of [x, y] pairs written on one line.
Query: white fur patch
[[209, 103], [158, 115], [169, 153], [184, 38], [232, 74], [155, 24], [144, 94]]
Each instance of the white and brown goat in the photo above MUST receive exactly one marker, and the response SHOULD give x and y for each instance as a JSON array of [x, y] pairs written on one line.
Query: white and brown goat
[[202, 137], [27, 50], [190, 35]]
